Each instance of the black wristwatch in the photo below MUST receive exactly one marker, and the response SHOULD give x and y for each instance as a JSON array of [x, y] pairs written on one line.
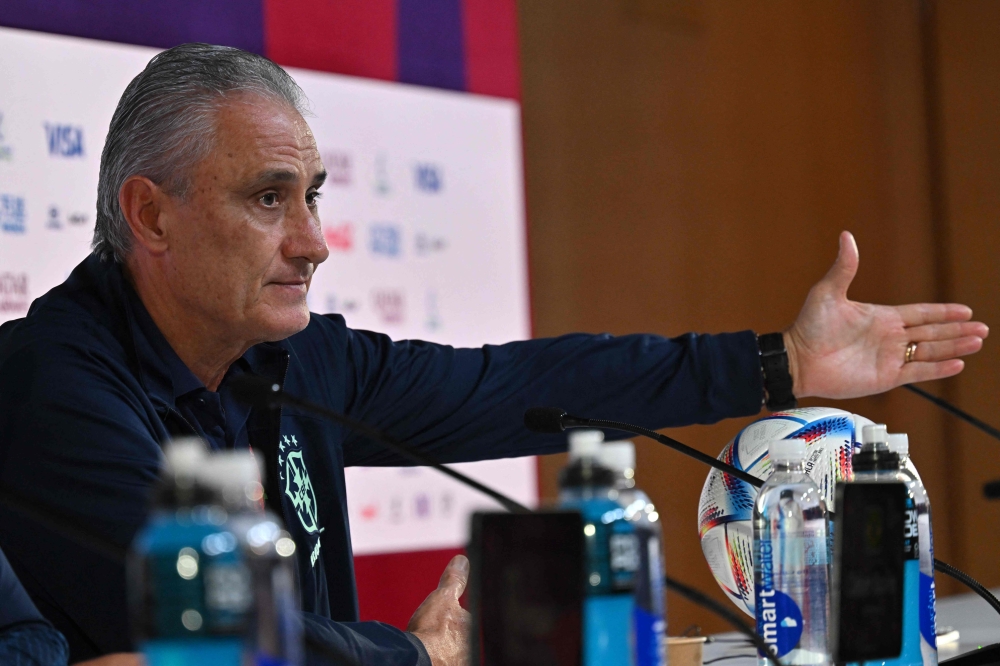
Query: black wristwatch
[[778, 381]]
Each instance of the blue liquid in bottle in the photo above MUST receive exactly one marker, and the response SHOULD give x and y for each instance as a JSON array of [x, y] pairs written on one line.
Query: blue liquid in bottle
[[612, 554]]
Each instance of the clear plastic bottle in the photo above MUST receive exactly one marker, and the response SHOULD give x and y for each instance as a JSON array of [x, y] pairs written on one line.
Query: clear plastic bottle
[[791, 575], [612, 552], [875, 463], [211, 579], [900, 445], [649, 615]]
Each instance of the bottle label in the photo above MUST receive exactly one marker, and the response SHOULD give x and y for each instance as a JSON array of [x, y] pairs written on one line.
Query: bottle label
[[911, 531], [623, 557], [779, 619], [928, 621]]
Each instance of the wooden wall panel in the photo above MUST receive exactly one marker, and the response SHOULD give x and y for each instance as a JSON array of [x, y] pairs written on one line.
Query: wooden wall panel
[[689, 166], [968, 69]]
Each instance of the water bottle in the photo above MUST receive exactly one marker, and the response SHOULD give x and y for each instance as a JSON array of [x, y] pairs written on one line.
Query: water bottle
[[612, 553], [649, 614], [791, 575], [875, 463], [210, 576], [900, 445]]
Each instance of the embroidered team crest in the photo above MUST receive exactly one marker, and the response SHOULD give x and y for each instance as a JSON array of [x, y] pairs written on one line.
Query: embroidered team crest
[[298, 487]]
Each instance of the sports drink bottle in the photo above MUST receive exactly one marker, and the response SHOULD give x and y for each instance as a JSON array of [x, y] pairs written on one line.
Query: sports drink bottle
[[875, 463], [612, 553], [791, 574], [211, 579], [649, 614], [900, 445]]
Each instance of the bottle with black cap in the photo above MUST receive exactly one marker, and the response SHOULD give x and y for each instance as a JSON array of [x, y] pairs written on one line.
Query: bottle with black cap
[[877, 463], [612, 552]]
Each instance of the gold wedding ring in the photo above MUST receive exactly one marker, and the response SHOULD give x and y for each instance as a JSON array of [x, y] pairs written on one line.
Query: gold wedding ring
[[911, 351]]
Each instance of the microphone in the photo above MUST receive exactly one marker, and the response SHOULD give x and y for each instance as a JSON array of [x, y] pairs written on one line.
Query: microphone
[[551, 420], [263, 393]]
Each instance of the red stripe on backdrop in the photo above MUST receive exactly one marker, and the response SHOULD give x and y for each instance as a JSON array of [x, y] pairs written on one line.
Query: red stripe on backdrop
[[355, 37], [390, 587], [492, 66]]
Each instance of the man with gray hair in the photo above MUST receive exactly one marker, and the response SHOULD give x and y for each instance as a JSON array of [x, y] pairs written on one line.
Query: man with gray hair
[[207, 238]]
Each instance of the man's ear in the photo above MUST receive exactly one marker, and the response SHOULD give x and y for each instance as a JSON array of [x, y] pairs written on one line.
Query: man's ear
[[142, 202]]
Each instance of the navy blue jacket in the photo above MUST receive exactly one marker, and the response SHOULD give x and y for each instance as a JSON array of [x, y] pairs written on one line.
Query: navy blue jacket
[[26, 638], [84, 410]]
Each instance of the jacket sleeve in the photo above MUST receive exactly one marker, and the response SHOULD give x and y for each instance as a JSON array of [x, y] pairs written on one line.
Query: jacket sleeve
[[360, 643], [468, 404]]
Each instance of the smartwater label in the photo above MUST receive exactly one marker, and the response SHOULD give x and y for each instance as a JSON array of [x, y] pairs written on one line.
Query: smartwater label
[[779, 619]]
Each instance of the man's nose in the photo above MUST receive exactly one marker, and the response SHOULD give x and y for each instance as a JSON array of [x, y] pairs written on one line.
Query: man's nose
[[304, 236]]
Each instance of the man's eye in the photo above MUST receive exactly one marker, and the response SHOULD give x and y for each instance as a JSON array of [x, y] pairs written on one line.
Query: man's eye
[[269, 199], [313, 197]]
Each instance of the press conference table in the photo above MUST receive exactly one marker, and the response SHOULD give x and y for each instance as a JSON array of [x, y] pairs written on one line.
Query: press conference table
[[975, 621]]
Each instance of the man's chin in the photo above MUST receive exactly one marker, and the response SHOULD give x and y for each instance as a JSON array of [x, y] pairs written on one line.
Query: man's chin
[[287, 324]]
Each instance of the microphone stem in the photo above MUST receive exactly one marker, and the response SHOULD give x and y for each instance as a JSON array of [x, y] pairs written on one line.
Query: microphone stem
[[398, 448], [677, 446]]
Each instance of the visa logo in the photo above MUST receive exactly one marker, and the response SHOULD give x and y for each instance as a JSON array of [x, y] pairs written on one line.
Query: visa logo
[[64, 140], [429, 178], [12, 214]]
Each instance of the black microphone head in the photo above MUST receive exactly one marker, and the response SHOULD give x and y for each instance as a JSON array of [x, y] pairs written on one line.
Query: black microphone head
[[254, 390], [544, 419]]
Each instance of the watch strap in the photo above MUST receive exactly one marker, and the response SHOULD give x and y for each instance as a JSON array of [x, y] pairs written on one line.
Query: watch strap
[[778, 380]]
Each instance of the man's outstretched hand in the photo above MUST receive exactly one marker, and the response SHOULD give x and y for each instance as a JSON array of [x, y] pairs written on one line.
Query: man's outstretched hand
[[440, 623], [841, 349]]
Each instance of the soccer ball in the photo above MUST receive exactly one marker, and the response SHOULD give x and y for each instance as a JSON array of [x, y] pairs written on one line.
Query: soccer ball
[[725, 511]]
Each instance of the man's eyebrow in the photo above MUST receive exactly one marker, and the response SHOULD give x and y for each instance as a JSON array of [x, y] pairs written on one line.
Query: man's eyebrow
[[283, 176]]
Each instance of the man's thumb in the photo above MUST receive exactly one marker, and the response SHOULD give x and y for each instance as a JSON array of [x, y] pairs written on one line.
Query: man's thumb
[[842, 273], [455, 576]]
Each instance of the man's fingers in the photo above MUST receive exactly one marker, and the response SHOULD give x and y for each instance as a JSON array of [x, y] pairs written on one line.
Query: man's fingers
[[840, 275], [918, 314], [932, 332], [925, 372], [942, 350], [455, 576]]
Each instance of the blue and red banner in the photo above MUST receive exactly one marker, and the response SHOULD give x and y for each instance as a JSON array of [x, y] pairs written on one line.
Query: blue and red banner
[[465, 45]]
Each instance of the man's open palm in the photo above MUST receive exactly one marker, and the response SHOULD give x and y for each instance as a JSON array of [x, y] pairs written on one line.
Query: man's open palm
[[838, 348]]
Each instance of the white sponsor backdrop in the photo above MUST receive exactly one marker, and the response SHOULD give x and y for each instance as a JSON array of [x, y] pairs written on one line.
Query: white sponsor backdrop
[[422, 211]]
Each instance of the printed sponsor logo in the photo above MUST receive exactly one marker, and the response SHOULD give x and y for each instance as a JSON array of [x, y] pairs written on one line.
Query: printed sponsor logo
[[338, 167], [429, 177], [64, 140], [423, 506], [14, 293], [382, 185], [433, 321], [339, 237], [55, 219], [389, 305], [6, 152], [341, 305], [425, 244], [386, 240], [12, 216]]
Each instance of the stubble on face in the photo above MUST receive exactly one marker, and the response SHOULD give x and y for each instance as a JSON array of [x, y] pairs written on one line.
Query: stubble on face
[[245, 237]]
